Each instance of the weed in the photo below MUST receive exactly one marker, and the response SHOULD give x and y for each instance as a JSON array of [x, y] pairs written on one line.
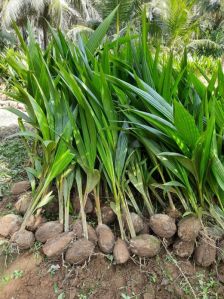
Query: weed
[[9, 251], [12, 161], [206, 286], [110, 257], [126, 296], [61, 296], [17, 274], [169, 259], [6, 278], [36, 249], [53, 269], [82, 296], [152, 278], [185, 287], [9, 206], [55, 287]]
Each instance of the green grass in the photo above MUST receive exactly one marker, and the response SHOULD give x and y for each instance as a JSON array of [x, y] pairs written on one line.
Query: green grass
[[13, 159]]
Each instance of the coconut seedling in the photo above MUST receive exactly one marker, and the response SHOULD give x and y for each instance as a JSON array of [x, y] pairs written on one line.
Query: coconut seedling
[[111, 111]]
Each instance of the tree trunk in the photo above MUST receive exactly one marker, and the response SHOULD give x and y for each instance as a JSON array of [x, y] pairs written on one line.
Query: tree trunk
[[45, 26], [24, 33]]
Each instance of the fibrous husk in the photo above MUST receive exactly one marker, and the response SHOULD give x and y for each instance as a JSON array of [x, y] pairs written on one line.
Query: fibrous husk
[[79, 251], [163, 225], [121, 252], [48, 230], [145, 245], [9, 224], [106, 239]]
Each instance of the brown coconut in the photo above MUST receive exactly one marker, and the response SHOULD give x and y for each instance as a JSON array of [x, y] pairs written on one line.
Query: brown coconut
[[106, 239], [183, 249], [121, 252], [48, 230], [78, 230], [24, 239], [205, 252], [189, 228], [79, 251], [145, 245], [108, 215], [221, 250], [34, 222], [56, 246], [20, 187], [9, 224], [137, 221], [88, 207], [163, 225], [23, 202]]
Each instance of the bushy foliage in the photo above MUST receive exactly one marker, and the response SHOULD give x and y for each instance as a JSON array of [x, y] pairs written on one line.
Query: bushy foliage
[[6, 39], [121, 120]]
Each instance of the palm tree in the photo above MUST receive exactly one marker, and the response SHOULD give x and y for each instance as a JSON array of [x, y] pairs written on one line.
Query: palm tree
[[171, 20], [126, 9], [38, 11], [212, 10], [210, 39]]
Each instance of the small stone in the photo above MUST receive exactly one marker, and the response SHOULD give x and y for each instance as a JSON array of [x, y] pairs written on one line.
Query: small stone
[[108, 215], [77, 229], [24, 239], [183, 249], [20, 187], [9, 224], [145, 245], [189, 228], [163, 225], [120, 252], [23, 202], [205, 253], [48, 230], [106, 239], [79, 251], [56, 246]]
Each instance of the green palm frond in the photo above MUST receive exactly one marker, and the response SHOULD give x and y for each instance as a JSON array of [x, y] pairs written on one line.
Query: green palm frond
[[172, 19], [77, 30], [125, 10], [20, 10], [17, 10], [206, 47]]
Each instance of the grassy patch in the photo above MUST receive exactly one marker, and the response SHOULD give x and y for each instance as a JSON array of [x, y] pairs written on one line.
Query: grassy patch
[[13, 159]]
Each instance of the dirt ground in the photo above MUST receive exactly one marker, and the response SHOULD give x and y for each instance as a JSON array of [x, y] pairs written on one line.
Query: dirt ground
[[29, 275]]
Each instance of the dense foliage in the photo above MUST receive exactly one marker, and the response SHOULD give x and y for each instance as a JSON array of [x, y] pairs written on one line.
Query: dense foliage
[[117, 118], [195, 24]]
